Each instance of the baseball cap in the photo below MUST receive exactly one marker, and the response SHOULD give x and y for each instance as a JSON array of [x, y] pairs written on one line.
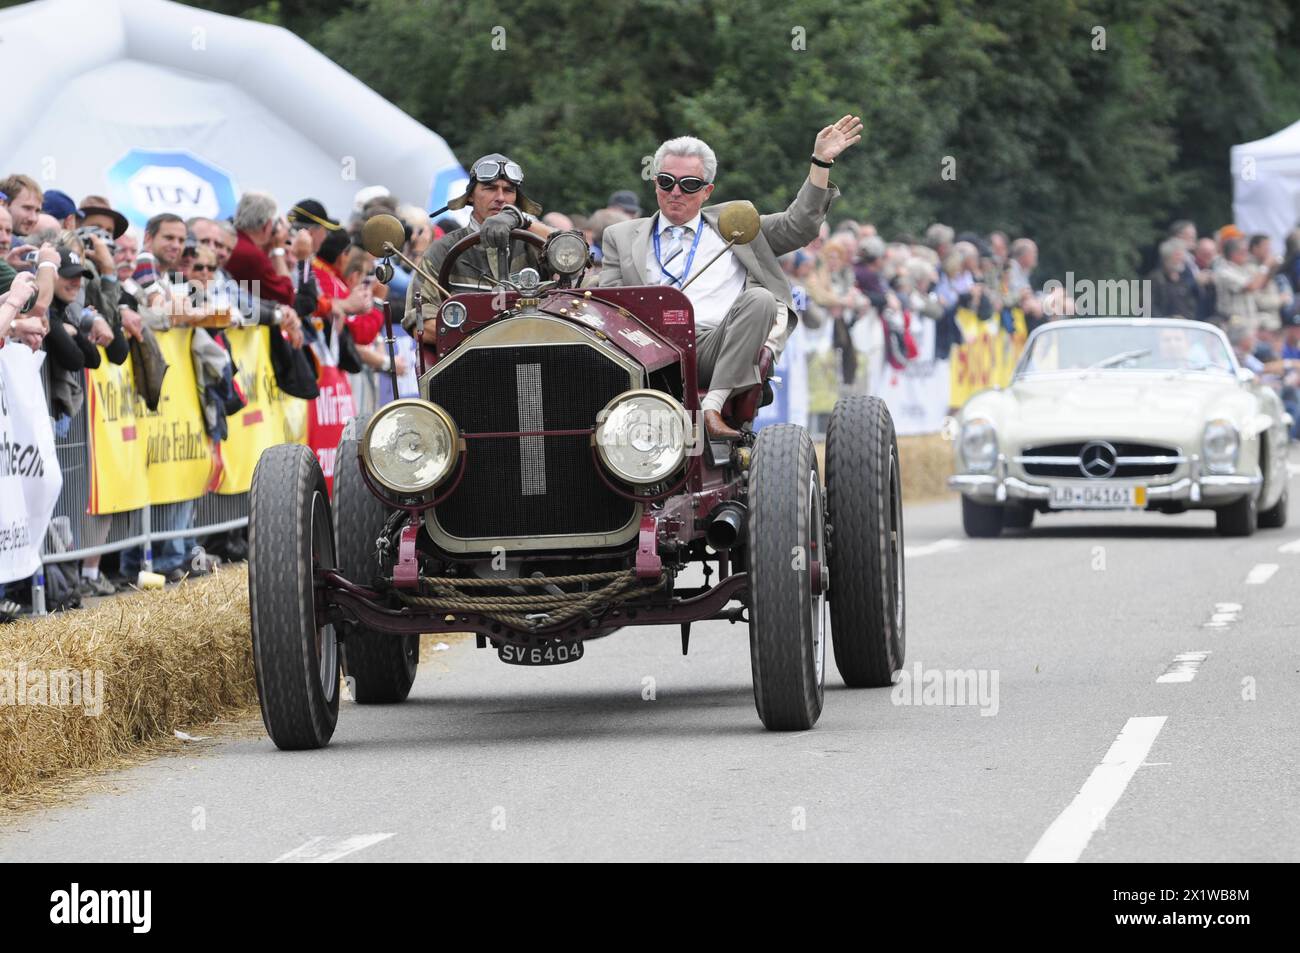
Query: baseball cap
[[59, 204], [71, 265], [627, 200], [311, 212]]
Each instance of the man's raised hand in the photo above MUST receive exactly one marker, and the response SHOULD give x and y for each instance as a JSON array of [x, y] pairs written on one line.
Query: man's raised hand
[[834, 139]]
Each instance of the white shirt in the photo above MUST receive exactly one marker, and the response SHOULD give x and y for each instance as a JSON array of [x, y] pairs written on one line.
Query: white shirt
[[716, 291]]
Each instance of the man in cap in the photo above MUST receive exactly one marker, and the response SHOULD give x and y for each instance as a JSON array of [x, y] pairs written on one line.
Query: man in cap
[[60, 205], [334, 301], [625, 200], [497, 204]]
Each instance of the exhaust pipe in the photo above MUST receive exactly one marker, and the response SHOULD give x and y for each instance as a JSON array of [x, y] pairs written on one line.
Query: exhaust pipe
[[726, 524]]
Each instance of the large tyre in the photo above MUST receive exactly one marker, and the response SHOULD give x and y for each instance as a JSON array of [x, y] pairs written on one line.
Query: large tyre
[[295, 658], [1275, 516], [981, 520], [786, 546], [1238, 518], [380, 667], [1018, 516], [865, 511]]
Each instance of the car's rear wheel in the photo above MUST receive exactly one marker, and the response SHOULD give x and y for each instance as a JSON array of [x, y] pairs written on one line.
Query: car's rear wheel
[[1238, 518], [295, 655], [380, 667], [786, 553], [981, 520], [1275, 516], [865, 506], [1018, 516]]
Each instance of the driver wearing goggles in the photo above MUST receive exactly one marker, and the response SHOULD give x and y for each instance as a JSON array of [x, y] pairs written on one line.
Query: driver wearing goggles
[[497, 204]]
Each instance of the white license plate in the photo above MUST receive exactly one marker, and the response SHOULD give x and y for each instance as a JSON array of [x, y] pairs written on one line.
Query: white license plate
[[1100, 497]]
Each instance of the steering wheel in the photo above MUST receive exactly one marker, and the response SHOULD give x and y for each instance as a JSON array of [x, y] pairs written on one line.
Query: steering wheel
[[468, 242]]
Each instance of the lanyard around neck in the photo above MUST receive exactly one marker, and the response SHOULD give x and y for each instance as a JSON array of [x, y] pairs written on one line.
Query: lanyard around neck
[[690, 259]]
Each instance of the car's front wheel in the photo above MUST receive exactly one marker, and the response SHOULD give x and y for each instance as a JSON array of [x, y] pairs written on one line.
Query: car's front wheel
[[1275, 516], [295, 654], [981, 520], [1238, 518], [1018, 516], [786, 555]]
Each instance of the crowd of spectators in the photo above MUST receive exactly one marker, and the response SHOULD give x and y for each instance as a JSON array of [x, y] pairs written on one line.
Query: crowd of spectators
[[77, 282], [1240, 284]]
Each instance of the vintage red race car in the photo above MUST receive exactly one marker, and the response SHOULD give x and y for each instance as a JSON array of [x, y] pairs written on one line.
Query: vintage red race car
[[550, 487]]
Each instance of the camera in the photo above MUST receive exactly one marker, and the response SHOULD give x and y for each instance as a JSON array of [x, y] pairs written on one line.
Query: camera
[[86, 232]]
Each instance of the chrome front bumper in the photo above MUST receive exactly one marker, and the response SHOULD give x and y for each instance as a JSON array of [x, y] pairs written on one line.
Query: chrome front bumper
[[1195, 487]]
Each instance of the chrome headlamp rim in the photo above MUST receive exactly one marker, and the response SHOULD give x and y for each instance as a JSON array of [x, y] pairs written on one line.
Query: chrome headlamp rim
[[1227, 462], [423, 405], [991, 435], [672, 404], [450, 308], [561, 238]]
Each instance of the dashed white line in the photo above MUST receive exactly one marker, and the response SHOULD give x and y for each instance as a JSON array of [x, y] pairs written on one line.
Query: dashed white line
[[929, 549], [1261, 574], [1069, 834], [1291, 547], [1183, 667], [323, 850]]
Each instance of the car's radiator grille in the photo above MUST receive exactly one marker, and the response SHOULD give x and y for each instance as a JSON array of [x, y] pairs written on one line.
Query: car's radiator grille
[[529, 486], [1131, 460]]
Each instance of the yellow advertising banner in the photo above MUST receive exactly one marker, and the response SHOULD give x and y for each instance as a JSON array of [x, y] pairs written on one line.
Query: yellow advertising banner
[[987, 356], [118, 479], [271, 417], [179, 454]]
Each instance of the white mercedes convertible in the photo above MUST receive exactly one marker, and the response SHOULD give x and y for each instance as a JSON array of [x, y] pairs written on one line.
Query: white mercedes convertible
[[1124, 414]]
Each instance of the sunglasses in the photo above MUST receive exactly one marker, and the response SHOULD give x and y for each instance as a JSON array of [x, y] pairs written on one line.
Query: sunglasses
[[208, 268], [489, 170], [690, 184]]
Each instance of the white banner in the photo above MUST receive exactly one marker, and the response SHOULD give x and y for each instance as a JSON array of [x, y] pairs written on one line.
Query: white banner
[[30, 478], [917, 396]]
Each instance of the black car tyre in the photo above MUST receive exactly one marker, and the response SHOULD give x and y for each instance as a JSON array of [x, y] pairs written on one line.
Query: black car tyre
[[865, 511], [295, 657], [380, 667], [786, 552], [1275, 516], [1238, 518], [981, 520], [1018, 516]]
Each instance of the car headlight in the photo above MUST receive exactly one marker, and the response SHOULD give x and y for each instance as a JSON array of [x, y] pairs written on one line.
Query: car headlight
[[642, 436], [410, 446], [566, 252], [979, 445], [1220, 445]]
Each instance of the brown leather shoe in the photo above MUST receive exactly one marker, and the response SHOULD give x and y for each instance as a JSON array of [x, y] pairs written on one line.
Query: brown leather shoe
[[717, 427]]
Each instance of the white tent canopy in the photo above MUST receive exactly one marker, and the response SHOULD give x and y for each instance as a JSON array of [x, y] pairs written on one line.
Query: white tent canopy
[[166, 107], [1266, 185]]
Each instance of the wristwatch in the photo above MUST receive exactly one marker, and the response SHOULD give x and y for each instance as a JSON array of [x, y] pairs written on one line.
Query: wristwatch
[[277, 252]]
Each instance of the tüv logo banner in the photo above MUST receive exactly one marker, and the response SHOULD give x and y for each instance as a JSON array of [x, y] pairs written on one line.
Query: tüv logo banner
[[145, 182]]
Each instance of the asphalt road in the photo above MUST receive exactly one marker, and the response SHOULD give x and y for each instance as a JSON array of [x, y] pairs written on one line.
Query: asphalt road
[[1111, 735]]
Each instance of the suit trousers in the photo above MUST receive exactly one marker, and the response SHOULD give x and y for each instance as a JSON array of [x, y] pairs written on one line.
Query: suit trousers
[[727, 356]]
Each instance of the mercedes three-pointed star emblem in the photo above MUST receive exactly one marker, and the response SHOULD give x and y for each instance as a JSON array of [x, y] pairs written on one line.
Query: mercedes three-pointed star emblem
[[1097, 460]]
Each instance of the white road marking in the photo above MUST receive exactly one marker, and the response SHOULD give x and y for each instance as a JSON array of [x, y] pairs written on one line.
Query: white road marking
[[322, 850], [1291, 547], [1069, 834], [929, 549], [1292, 469], [1183, 667], [1261, 574], [1227, 607]]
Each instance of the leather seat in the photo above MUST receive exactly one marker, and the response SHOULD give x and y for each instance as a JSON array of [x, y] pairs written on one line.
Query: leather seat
[[742, 406]]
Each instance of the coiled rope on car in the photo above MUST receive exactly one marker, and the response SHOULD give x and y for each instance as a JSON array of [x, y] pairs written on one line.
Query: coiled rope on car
[[531, 610]]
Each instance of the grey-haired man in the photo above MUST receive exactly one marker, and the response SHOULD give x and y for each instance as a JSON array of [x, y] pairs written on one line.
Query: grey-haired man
[[743, 302]]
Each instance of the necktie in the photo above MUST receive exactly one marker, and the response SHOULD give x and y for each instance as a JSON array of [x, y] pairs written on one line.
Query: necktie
[[670, 253]]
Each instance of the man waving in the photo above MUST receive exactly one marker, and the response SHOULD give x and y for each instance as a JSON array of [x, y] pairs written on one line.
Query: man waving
[[743, 302]]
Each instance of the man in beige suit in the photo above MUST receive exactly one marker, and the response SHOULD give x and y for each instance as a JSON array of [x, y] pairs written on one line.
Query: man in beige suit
[[742, 302]]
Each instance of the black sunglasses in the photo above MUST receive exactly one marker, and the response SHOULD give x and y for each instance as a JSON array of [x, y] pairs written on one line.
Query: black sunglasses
[[690, 183]]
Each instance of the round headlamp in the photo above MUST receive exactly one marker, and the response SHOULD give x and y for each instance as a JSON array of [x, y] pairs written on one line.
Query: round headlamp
[[1220, 445], [410, 446], [454, 314], [979, 445], [642, 436], [566, 252]]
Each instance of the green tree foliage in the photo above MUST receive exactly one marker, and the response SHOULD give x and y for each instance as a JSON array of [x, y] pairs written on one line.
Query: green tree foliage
[[1087, 124]]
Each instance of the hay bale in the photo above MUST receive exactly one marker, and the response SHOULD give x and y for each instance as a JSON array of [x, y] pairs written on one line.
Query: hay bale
[[124, 674], [925, 463]]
